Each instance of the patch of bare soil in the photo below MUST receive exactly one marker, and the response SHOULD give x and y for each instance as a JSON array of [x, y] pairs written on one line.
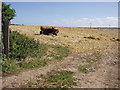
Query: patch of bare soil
[[106, 76]]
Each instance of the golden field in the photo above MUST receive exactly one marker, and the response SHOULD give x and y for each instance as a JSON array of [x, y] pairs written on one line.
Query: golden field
[[78, 39]]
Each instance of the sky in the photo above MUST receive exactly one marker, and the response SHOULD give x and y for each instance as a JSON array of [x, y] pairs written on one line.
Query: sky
[[67, 14]]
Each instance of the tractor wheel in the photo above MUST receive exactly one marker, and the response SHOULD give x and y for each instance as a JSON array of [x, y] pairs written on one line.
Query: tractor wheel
[[41, 32]]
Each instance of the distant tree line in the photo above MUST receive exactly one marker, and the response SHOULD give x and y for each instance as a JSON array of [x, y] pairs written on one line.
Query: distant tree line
[[16, 24]]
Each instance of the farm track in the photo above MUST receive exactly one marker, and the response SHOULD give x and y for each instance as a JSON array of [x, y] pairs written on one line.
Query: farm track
[[26, 76], [105, 76], [106, 69]]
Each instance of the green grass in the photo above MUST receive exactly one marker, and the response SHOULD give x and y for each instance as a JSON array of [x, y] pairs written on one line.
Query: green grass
[[25, 53], [54, 79], [33, 63], [59, 52], [10, 66], [84, 68], [59, 79]]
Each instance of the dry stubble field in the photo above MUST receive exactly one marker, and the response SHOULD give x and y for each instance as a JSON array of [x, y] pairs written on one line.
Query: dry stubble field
[[96, 50]]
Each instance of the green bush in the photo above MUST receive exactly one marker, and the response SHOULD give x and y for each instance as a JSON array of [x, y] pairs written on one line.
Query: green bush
[[26, 53], [22, 47]]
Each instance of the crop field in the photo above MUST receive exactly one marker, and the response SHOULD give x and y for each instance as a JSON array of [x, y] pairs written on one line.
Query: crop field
[[78, 39], [92, 61]]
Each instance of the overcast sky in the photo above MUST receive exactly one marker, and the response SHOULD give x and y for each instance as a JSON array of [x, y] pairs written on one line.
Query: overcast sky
[[68, 14]]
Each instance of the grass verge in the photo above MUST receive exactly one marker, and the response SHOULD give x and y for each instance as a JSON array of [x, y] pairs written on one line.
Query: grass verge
[[26, 53]]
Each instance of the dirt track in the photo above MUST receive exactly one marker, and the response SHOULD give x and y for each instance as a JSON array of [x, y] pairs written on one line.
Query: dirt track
[[102, 74]]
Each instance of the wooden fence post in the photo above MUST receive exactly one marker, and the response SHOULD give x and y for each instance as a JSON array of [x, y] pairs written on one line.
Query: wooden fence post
[[6, 37]]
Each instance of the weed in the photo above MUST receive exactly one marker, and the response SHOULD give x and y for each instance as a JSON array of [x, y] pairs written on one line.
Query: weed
[[61, 51], [32, 64], [10, 66], [59, 79], [84, 68]]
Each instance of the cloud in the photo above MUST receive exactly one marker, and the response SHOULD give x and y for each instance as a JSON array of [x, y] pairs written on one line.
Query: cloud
[[86, 22]]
